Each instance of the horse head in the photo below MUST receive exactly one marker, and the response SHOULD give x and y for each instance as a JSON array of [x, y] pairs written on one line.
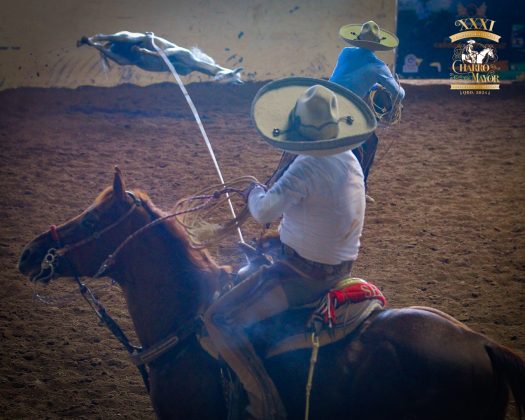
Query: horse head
[[491, 53], [230, 76], [79, 246], [486, 55]]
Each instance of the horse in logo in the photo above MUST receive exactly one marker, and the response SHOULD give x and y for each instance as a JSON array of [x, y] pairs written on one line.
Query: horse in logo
[[471, 56]]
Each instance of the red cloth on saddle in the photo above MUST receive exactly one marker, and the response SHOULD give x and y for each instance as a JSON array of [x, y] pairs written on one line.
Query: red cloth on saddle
[[357, 293], [353, 293]]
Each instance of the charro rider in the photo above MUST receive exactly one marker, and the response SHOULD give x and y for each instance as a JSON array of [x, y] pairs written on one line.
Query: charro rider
[[359, 70], [469, 53], [321, 198]]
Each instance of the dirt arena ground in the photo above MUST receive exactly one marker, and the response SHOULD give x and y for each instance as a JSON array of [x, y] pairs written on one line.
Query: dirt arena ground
[[447, 229]]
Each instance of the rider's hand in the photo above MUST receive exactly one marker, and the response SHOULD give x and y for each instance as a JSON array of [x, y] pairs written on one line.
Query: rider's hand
[[247, 191]]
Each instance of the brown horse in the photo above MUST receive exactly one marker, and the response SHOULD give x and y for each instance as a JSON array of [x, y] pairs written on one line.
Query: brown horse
[[409, 363]]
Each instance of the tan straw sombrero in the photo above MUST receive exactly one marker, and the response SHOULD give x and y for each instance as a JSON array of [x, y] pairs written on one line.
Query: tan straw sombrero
[[311, 116], [369, 35]]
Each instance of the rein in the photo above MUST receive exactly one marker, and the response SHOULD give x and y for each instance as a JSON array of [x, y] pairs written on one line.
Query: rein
[[68, 248], [209, 198], [138, 356], [50, 262], [113, 326], [52, 258]]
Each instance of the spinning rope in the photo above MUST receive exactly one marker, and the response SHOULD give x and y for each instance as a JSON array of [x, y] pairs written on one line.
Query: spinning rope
[[198, 120]]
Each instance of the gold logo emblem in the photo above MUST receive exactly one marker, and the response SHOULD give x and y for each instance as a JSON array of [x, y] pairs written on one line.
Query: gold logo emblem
[[474, 64]]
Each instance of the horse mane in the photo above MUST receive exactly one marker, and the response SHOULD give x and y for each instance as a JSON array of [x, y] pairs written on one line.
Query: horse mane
[[196, 266], [201, 55], [199, 257]]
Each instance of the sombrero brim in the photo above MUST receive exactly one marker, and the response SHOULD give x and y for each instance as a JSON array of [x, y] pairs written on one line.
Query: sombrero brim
[[274, 101], [350, 33]]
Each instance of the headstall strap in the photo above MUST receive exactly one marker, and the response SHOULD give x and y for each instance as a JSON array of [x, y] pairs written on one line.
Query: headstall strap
[[54, 233], [139, 356], [97, 234], [51, 260], [110, 323]]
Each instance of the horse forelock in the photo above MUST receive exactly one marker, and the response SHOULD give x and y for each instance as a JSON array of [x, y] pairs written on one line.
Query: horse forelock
[[103, 196]]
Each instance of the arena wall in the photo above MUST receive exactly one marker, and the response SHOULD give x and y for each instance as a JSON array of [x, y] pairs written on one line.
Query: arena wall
[[269, 39]]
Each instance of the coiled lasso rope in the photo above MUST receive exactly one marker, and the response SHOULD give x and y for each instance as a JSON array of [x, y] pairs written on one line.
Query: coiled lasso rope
[[202, 217], [381, 104], [386, 109]]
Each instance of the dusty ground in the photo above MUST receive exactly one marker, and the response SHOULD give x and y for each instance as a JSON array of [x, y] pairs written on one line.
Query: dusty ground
[[447, 229]]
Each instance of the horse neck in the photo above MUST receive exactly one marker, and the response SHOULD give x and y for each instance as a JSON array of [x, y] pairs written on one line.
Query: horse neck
[[165, 283]]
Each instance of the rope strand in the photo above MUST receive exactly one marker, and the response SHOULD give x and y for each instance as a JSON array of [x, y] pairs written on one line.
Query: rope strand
[[185, 213], [197, 118]]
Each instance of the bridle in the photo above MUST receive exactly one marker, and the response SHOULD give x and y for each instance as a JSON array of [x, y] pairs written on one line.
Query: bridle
[[51, 260], [54, 257]]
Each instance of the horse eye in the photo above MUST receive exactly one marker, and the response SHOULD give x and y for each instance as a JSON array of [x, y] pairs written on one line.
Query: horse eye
[[89, 223]]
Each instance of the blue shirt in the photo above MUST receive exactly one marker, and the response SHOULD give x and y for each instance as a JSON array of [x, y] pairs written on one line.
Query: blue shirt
[[358, 69]]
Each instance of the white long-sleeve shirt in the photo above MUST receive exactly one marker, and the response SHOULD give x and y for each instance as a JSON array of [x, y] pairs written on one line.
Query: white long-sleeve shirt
[[322, 201]]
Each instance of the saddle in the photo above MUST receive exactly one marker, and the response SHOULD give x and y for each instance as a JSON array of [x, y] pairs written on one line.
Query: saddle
[[336, 315]]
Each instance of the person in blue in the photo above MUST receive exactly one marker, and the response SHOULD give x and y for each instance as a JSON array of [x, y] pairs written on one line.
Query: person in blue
[[360, 70]]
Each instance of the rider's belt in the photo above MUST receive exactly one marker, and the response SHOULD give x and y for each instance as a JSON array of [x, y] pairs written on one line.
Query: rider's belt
[[343, 268]]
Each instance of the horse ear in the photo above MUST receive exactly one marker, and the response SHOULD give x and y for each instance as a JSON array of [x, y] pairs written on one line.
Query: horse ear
[[119, 186]]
